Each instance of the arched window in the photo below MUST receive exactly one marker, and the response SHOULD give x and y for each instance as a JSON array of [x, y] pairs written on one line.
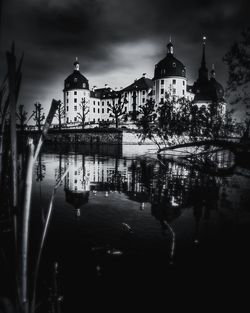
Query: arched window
[[174, 64]]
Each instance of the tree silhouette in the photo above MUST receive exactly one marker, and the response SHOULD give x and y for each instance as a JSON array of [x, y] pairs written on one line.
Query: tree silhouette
[[117, 109], [238, 84], [60, 114], [84, 111], [39, 117]]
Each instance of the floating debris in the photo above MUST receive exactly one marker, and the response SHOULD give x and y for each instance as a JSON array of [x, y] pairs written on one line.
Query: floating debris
[[127, 227], [114, 252]]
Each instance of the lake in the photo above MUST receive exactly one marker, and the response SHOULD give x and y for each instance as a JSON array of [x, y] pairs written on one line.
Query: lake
[[128, 226]]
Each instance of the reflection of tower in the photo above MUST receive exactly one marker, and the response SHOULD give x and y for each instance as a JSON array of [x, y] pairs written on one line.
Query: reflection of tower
[[77, 183]]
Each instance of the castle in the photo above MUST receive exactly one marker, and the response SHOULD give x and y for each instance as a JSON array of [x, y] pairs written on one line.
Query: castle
[[169, 77]]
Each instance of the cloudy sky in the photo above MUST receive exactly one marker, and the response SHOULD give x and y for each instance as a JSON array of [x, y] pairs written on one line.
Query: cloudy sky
[[115, 40]]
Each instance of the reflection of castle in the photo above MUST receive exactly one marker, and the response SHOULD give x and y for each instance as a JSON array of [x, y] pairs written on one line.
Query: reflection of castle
[[77, 184]]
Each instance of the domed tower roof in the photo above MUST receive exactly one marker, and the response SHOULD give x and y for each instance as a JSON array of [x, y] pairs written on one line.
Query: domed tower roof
[[216, 87], [169, 66], [76, 80]]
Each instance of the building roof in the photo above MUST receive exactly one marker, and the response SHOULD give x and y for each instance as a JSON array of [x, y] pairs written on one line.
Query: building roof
[[105, 93], [169, 66], [76, 81], [140, 84]]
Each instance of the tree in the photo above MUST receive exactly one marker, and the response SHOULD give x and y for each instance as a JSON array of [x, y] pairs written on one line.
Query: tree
[[237, 60], [60, 114], [176, 121], [39, 117], [84, 111], [117, 109]]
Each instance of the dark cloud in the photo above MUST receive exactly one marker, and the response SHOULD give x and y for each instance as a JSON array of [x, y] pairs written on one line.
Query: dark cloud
[[114, 39]]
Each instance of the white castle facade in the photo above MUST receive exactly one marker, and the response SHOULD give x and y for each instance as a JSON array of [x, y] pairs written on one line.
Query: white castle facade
[[169, 77]]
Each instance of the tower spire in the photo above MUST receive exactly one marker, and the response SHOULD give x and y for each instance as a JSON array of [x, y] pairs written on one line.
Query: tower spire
[[203, 72], [203, 61]]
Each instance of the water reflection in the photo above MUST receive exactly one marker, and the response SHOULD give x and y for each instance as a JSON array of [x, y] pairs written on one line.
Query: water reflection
[[152, 213]]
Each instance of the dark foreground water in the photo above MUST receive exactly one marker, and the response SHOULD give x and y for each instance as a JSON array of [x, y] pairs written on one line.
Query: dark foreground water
[[126, 226]]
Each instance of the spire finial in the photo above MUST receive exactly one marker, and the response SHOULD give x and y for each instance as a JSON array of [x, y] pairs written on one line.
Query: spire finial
[[170, 47], [76, 65]]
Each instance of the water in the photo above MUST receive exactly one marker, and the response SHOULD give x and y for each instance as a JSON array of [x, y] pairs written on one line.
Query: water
[[125, 224]]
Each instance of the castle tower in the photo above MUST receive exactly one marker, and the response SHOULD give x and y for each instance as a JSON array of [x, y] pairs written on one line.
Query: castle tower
[[169, 77], [76, 88]]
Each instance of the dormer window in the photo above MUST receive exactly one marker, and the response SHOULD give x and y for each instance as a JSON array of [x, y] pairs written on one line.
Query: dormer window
[[174, 64], [75, 80], [84, 85]]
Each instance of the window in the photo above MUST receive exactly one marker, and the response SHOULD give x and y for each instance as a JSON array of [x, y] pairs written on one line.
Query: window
[[98, 120], [67, 100], [161, 100], [174, 81], [75, 107], [108, 103], [75, 100], [67, 119], [75, 119], [75, 181], [126, 109], [162, 91], [162, 82], [98, 111], [144, 92], [67, 108], [84, 85], [102, 102], [75, 80], [143, 100], [94, 120], [183, 92], [75, 172], [75, 93], [183, 82], [174, 91], [174, 64], [102, 110], [94, 102], [67, 93], [93, 110]]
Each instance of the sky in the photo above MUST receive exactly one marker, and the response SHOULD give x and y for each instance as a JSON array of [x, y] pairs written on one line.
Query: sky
[[116, 41]]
